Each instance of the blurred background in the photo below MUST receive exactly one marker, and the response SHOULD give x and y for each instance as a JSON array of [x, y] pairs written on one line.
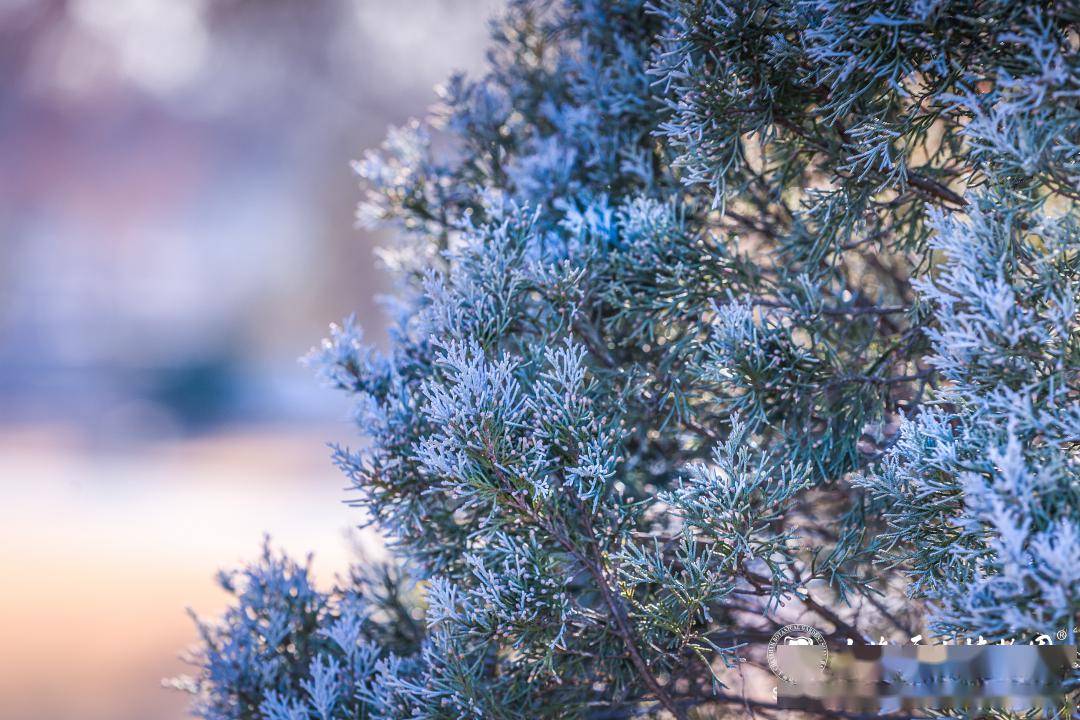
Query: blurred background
[[176, 226]]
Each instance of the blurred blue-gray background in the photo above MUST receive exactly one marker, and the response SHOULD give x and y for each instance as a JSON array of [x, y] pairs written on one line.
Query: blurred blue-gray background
[[176, 219]]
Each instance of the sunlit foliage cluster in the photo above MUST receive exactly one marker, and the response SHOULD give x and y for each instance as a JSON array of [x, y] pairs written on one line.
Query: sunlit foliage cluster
[[709, 317]]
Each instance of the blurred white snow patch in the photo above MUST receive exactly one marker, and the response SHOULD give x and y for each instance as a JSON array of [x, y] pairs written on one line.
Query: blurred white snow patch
[[160, 45]]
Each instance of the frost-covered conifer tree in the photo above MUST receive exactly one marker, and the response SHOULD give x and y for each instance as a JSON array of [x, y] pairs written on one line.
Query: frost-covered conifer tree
[[710, 316]]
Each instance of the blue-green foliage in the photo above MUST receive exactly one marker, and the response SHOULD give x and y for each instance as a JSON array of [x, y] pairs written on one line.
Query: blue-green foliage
[[286, 651], [709, 316]]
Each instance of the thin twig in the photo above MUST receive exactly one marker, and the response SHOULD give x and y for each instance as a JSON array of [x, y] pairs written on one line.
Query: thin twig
[[840, 311]]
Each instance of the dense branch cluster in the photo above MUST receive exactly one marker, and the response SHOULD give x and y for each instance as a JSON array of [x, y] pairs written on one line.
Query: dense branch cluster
[[710, 316]]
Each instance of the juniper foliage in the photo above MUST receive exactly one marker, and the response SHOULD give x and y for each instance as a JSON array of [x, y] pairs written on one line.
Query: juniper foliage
[[709, 316]]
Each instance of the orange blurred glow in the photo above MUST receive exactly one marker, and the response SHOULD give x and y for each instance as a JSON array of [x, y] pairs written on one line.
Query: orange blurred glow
[[98, 550]]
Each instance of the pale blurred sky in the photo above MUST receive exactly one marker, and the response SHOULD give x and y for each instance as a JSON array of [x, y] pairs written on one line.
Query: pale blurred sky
[[176, 218]]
